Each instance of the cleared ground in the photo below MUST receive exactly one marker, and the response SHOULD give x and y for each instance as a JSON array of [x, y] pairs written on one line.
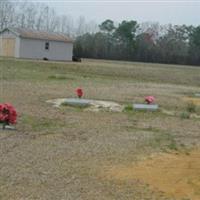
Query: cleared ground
[[69, 153]]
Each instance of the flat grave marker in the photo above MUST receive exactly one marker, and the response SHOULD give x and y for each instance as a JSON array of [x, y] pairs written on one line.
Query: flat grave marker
[[77, 102], [150, 107]]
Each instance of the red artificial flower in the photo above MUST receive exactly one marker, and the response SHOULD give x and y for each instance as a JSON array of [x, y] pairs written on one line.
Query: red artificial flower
[[8, 114], [79, 92], [150, 99]]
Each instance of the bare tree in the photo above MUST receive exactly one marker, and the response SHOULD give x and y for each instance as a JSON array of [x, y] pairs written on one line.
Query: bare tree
[[40, 17], [66, 25], [53, 21], [6, 14], [80, 26], [92, 27]]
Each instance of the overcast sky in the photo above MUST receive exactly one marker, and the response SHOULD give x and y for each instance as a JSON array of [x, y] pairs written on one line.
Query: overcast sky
[[163, 11]]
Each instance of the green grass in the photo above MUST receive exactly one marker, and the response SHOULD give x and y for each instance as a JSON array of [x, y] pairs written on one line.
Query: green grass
[[20, 69], [60, 77], [128, 108], [156, 138], [36, 124]]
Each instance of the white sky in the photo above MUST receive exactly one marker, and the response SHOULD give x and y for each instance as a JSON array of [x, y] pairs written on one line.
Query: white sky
[[162, 11]]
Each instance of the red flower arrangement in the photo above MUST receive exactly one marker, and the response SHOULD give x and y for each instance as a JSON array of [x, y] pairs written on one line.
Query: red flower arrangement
[[150, 99], [8, 114], [79, 92]]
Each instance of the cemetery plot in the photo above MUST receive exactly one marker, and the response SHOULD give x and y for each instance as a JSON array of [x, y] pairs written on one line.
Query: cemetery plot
[[67, 153]]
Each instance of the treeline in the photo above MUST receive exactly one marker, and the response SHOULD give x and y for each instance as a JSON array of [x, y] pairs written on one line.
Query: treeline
[[147, 42], [40, 16]]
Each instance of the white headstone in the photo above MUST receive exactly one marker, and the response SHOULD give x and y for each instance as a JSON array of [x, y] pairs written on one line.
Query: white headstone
[[7, 127]]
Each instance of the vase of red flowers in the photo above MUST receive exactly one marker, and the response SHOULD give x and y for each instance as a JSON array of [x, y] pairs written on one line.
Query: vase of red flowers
[[150, 99], [79, 92], [8, 114]]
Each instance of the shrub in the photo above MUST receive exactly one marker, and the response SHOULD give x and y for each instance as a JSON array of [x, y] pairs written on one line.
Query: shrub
[[185, 115], [191, 107], [128, 108]]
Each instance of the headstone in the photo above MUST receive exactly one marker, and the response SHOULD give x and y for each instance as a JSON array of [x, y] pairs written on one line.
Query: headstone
[[197, 95], [7, 127], [151, 107], [77, 102]]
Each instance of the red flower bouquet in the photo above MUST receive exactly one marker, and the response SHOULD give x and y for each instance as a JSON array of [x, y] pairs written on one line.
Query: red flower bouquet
[[8, 114], [150, 99], [79, 92]]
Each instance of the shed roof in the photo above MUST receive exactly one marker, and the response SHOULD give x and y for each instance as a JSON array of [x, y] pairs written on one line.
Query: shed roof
[[41, 35]]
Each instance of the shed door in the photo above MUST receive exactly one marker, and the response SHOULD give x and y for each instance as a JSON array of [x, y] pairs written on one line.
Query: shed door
[[8, 47]]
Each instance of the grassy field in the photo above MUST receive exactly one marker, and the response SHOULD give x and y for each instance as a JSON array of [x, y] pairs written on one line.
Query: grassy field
[[68, 153]]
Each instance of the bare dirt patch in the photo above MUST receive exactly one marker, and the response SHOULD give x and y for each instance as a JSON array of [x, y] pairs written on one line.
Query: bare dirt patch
[[177, 175], [194, 100]]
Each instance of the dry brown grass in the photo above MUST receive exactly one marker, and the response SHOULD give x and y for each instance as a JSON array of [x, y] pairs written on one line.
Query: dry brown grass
[[59, 153]]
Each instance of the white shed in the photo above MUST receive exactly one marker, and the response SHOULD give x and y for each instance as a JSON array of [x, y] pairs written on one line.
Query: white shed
[[31, 44]]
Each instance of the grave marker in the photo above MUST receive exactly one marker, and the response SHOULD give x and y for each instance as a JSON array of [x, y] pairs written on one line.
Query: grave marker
[[77, 102], [150, 107]]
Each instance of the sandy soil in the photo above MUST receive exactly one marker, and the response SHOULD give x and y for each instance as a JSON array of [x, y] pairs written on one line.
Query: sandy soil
[[194, 100], [177, 175]]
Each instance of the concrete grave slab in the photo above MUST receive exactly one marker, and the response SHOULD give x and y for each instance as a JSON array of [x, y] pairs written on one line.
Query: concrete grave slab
[[150, 107], [88, 104], [77, 102], [197, 95]]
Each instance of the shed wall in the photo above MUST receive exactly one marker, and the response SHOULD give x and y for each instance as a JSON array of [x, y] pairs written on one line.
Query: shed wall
[[35, 49]]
